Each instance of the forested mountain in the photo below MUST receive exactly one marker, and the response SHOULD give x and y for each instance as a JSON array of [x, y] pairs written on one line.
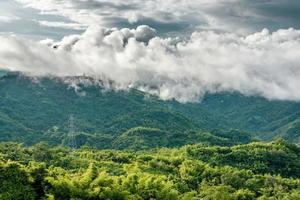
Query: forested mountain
[[38, 109], [153, 149]]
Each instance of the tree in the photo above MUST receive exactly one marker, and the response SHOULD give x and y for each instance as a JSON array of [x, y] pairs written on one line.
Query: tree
[[15, 182]]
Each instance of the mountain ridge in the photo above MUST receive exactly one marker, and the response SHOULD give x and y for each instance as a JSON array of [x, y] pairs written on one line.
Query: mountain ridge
[[30, 107]]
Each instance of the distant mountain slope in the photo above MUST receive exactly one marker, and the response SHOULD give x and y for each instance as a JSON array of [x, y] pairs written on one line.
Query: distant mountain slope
[[290, 131], [164, 119], [32, 109], [38, 105], [249, 113]]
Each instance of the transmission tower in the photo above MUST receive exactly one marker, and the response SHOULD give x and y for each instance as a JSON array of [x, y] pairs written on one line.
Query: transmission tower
[[71, 140]]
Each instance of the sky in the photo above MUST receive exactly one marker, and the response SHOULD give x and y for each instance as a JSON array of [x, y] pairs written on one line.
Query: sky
[[57, 18], [176, 49]]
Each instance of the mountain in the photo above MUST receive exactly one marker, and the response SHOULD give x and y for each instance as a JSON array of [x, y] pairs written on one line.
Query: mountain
[[38, 109], [290, 131]]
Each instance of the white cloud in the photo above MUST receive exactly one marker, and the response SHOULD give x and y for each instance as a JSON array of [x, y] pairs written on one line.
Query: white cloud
[[264, 63], [205, 14], [64, 25]]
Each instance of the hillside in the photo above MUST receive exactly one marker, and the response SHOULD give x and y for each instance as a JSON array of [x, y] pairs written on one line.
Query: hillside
[[38, 109]]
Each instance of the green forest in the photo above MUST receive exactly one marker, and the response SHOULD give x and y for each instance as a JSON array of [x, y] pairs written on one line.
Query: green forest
[[33, 110], [130, 145], [256, 170]]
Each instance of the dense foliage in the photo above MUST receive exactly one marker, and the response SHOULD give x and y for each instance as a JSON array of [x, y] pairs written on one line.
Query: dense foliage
[[244, 172]]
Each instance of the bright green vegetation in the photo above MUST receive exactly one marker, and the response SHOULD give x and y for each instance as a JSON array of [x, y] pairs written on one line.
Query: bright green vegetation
[[34, 110], [253, 171]]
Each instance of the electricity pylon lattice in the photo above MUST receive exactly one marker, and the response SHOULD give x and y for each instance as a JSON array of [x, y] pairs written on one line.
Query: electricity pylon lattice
[[71, 140]]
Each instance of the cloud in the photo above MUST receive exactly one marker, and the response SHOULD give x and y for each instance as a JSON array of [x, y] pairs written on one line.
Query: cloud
[[64, 25], [264, 63], [240, 16], [17, 19], [8, 19]]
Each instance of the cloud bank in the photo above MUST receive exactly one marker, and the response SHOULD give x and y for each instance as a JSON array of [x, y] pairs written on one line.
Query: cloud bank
[[264, 63]]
